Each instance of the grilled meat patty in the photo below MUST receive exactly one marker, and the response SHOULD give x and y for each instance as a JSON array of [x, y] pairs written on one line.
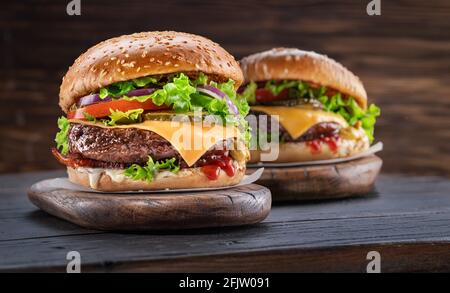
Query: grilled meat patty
[[121, 147]]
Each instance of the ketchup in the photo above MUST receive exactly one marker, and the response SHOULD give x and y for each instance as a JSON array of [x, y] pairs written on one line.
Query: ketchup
[[332, 142], [316, 144], [211, 168]]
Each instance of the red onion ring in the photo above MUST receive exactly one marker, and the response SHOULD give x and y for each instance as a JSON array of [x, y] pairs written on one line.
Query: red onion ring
[[140, 92], [219, 95], [95, 98], [91, 99]]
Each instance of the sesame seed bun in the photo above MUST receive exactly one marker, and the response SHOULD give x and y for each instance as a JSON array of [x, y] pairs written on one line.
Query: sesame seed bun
[[142, 54], [185, 178], [295, 64]]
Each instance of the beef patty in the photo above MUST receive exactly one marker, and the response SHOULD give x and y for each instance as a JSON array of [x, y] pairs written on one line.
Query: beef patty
[[120, 147], [319, 130]]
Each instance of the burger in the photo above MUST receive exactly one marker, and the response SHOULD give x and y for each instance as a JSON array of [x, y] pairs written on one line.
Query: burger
[[153, 110], [320, 106]]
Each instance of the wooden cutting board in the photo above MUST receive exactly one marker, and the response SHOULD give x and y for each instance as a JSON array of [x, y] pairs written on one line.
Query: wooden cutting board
[[242, 205], [319, 182]]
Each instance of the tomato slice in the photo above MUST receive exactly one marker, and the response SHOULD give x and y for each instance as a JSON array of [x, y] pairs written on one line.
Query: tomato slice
[[265, 95], [103, 109]]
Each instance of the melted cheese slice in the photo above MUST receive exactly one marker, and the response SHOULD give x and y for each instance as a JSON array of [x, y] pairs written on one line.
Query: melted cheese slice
[[297, 120], [191, 140]]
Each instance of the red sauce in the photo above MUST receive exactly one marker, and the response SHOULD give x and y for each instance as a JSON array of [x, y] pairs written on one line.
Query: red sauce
[[316, 145], [211, 171], [212, 167], [332, 142]]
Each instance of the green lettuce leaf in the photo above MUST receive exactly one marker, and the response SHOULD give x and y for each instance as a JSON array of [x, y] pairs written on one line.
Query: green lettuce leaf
[[62, 143], [151, 168], [119, 117], [200, 80], [249, 93], [352, 112], [240, 102], [277, 87], [175, 94], [348, 108], [144, 81], [211, 105], [178, 92], [181, 94], [119, 89], [89, 117]]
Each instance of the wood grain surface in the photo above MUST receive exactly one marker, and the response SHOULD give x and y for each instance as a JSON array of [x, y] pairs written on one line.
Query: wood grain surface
[[243, 205], [321, 181], [401, 56], [405, 219]]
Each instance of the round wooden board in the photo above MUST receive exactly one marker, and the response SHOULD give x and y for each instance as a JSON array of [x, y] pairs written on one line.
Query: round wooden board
[[320, 182], [242, 205]]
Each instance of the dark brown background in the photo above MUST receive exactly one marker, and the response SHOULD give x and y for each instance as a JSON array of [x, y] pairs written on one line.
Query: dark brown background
[[402, 57]]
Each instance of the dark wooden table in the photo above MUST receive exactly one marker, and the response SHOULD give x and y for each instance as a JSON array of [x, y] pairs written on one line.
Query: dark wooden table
[[406, 220]]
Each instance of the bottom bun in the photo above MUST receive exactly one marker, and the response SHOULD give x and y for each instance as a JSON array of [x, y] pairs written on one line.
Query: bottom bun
[[114, 180], [351, 142]]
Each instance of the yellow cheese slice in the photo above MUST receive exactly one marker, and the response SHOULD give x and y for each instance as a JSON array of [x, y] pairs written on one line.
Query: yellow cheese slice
[[297, 120], [191, 140]]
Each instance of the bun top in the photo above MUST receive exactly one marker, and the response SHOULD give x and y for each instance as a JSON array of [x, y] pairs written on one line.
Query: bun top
[[142, 54], [295, 64]]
